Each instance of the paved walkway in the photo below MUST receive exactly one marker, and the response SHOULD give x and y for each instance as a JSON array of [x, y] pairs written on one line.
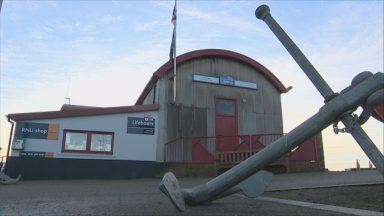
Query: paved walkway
[[142, 197], [332, 208], [324, 179], [125, 197]]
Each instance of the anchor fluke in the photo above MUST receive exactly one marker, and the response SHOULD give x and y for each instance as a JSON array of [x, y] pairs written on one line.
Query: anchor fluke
[[6, 180], [251, 187], [255, 185], [171, 188]]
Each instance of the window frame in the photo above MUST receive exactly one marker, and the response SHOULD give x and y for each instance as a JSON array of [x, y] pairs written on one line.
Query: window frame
[[234, 100], [88, 144]]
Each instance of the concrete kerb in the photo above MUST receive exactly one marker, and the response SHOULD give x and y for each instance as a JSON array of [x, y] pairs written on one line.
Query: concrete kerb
[[294, 181], [325, 186], [339, 209]]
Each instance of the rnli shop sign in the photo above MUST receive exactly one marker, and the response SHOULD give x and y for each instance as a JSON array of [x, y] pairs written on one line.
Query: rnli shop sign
[[137, 125], [33, 130]]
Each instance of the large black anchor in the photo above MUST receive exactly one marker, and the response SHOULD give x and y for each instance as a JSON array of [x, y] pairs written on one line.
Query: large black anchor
[[366, 90]]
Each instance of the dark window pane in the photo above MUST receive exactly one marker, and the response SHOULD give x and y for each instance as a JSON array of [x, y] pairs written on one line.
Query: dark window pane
[[226, 107]]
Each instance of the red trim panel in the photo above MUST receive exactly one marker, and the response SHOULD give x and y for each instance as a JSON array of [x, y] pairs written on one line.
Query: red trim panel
[[199, 153], [210, 53]]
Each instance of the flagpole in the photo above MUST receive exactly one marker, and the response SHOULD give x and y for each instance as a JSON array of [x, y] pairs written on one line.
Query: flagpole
[[174, 59]]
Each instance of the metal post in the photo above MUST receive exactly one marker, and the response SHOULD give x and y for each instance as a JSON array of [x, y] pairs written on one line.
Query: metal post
[[182, 149], [174, 60], [250, 145], [370, 149]]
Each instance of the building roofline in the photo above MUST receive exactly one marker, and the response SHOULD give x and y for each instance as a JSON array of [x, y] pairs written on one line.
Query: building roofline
[[210, 53], [82, 111]]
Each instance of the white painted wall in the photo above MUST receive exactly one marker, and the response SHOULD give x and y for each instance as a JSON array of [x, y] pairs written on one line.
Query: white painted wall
[[139, 147]]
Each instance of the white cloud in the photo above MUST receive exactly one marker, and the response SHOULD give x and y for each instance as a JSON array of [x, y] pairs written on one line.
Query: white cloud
[[107, 19], [149, 26], [222, 18], [163, 5]]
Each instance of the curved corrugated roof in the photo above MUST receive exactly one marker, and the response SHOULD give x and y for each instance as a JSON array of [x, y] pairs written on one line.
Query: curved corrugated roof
[[205, 53]]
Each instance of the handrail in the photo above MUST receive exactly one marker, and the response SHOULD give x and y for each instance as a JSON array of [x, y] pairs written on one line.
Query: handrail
[[203, 149], [221, 136]]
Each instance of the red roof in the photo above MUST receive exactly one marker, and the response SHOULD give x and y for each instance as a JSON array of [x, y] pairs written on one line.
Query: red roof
[[210, 53], [77, 111]]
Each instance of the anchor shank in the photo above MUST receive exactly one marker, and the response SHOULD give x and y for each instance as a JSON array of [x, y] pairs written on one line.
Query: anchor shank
[[263, 13]]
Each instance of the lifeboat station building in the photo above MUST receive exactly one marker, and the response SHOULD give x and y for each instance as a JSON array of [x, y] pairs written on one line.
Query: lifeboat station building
[[227, 107]]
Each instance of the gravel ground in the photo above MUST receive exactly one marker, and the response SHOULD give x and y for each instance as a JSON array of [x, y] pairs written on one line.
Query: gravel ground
[[124, 197], [368, 197]]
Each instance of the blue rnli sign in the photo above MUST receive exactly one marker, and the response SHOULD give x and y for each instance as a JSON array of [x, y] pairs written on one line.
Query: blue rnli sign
[[144, 125], [31, 130], [227, 80]]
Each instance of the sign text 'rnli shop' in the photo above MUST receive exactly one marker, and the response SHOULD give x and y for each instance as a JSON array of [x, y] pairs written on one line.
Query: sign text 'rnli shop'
[[33, 130]]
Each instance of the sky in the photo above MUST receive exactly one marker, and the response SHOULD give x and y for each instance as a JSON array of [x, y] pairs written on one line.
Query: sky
[[102, 53]]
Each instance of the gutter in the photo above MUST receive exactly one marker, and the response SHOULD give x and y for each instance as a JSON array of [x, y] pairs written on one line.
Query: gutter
[[9, 142]]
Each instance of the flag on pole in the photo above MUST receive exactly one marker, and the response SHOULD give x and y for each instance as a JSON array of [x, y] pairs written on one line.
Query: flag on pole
[[172, 51], [174, 15]]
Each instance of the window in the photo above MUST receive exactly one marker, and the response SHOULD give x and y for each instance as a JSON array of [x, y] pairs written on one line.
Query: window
[[101, 142], [97, 142], [76, 141], [226, 107]]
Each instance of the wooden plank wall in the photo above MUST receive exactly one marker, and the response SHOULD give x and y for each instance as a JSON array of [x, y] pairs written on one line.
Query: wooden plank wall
[[259, 111]]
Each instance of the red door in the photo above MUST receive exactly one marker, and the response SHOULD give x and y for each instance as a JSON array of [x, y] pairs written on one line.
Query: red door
[[225, 124]]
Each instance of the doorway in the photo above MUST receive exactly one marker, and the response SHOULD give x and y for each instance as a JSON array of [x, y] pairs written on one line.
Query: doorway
[[225, 124]]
